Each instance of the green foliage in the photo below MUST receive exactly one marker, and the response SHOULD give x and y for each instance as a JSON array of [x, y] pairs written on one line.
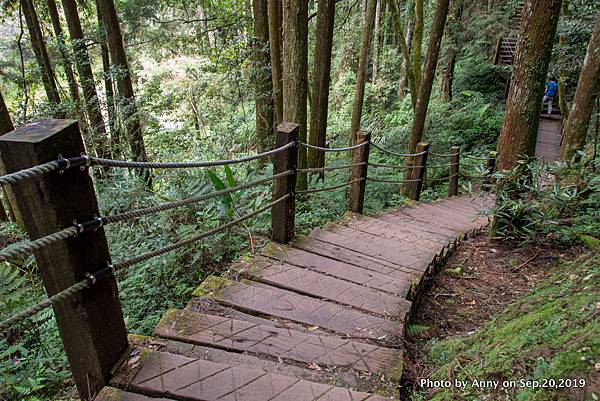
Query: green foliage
[[548, 334], [559, 202]]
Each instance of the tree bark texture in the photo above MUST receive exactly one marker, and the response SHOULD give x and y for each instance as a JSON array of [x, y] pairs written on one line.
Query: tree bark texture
[[417, 45], [321, 80], [262, 77], [127, 103], [534, 47], [576, 127], [363, 64], [295, 72], [88, 84], [41, 53], [431, 59], [6, 125], [454, 29], [376, 41], [67, 66], [275, 39]]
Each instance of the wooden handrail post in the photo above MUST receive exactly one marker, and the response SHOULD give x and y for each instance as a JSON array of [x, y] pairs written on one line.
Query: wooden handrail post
[[91, 322], [356, 199], [418, 171], [283, 214], [454, 171], [491, 166]]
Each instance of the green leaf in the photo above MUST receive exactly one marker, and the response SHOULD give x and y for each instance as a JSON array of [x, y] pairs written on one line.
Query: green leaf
[[229, 175], [219, 186]]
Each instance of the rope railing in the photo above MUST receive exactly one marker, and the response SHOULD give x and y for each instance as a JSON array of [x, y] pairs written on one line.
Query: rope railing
[[395, 153], [395, 166], [327, 169], [41, 169], [322, 149], [314, 190], [442, 179], [443, 154], [91, 279], [477, 157], [382, 180]]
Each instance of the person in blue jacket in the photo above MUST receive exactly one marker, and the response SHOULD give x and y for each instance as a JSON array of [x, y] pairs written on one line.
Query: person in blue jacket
[[551, 92]]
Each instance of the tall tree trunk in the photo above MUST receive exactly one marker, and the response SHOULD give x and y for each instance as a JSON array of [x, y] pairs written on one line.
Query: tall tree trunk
[[262, 76], [454, 30], [127, 102], [84, 68], [403, 68], [562, 85], [275, 31], [376, 42], [295, 69], [431, 59], [417, 45], [41, 53], [363, 64], [521, 121], [576, 128], [6, 125], [109, 92], [321, 80], [68, 68]]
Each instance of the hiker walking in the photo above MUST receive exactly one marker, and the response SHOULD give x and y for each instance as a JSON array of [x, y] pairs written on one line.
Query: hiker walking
[[551, 92]]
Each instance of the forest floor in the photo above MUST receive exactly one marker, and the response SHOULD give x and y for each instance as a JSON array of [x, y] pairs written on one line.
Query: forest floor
[[468, 303]]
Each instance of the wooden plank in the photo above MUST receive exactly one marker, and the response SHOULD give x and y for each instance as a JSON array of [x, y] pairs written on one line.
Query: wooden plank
[[335, 268], [114, 394], [279, 343], [267, 300]]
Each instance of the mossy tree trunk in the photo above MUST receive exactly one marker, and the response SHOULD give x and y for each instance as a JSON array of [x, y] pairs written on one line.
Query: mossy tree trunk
[[295, 72], [562, 86], [6, 125], [576, 127], [83, 64], [376, 41], [454, 30], [261, 74], [321, 80], [275, 39], [127, 103], [431, 59], [534, 48], [363, 64]]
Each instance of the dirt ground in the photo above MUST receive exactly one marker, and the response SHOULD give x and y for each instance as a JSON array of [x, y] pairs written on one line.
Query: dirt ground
[[478, 281]]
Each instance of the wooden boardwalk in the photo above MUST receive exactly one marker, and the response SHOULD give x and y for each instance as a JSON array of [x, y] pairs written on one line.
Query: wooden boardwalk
[[322, 319], [549, 137]]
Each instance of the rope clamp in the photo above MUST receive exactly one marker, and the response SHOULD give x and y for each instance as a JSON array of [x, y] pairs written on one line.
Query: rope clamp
[[63, 164], [91, 278]]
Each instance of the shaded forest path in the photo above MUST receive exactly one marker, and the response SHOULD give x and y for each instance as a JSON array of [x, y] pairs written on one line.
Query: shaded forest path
[[321, 319], [550, 126]]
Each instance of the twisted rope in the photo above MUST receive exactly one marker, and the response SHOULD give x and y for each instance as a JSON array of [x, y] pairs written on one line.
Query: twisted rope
[[173, 165], [478, 158], [28, 248], [472, 165], [394, 166], [173, 205], [161, 251], [311, 191], [333, 168], [475, 177], [391, 181], [397, 154], [28, 173], [45, 304], [309, 146]]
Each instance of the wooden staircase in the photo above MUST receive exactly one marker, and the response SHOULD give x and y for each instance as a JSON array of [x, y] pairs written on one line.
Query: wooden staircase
[[320, 319]]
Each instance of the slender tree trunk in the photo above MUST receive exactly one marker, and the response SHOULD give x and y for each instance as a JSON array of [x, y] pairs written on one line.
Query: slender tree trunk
[[431, 59], [321, 80], [84, 68], [562, 86], [6, 125], [295, 69], [454, 30], [363, 64], [275, 31], [68, 68], [262, 76], [576, 128], [403, 68], [127, 102], [109, 92], [41, 53], [417, 45], [521, 121], [376, 45]]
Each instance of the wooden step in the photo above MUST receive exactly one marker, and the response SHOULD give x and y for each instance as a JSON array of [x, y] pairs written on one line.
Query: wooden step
[[278, 343], [114, 394], [162, 374], [267, 300]]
